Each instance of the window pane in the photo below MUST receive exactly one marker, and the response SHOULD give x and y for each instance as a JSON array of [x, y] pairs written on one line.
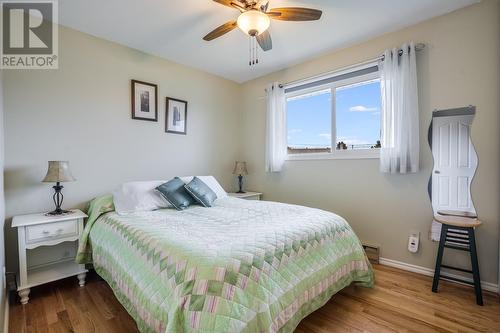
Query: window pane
[[309, 123], [358, 115]]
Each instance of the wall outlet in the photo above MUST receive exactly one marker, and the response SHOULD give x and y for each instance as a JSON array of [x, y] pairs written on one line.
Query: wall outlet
[[413, 242]]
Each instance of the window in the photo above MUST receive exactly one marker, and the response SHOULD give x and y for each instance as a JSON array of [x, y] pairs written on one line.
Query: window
[[335, 117], [309, 120]]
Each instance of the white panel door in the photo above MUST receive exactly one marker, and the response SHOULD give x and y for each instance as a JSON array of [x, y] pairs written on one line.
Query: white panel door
[[455, 163]]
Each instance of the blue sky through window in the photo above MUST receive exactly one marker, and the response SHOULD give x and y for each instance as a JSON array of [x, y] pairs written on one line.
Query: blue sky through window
[[358, 117], [309, 120]]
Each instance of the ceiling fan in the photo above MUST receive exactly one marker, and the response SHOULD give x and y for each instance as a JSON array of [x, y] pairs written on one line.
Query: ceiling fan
[[255, 19]]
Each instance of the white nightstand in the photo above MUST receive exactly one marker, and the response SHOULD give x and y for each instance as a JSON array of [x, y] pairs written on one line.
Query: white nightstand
[[248, 195], [38, 235]]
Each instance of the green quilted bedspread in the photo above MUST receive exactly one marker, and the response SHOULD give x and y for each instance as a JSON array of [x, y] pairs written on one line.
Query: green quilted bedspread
[[240, 266]]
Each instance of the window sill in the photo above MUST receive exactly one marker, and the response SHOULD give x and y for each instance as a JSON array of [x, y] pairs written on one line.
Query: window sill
[[337, 155]]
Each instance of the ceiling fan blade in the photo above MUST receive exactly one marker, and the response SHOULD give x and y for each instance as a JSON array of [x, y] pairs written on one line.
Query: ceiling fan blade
[[222, 30], [233, 4], [265, 41], [226, 2], [295, 14]]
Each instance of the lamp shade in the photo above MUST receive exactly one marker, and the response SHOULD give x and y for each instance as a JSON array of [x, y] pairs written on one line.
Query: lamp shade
[[253, 22], [240, 168], [58, 172]]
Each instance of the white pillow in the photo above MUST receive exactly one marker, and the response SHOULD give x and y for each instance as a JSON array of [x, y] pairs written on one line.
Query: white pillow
[[211, 182], [138, 197]]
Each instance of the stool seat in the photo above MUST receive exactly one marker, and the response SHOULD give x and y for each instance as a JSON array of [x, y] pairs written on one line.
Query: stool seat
[[458, 221], [457, 213]]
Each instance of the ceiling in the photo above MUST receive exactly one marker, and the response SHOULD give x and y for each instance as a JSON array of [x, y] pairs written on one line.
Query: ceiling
[[173, 29]]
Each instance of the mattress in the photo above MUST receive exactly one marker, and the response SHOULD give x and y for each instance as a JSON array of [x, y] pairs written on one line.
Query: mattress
[[240, 266]]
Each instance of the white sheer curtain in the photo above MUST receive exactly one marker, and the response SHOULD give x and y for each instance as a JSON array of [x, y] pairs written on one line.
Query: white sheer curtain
[[276, 128], [399, 124]]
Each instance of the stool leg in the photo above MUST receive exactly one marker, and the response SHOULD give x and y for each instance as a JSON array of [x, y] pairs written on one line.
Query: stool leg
[[439, 259], [475, 267]]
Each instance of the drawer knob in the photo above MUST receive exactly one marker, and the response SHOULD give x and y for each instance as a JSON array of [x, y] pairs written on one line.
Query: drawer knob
[[45, 232], [59, 230]]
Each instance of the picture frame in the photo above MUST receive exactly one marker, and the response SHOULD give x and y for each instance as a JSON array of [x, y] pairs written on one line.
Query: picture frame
[[176, 116], [144, 100]]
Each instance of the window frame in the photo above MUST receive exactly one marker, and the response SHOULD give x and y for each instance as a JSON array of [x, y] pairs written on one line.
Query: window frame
[[372, 153]]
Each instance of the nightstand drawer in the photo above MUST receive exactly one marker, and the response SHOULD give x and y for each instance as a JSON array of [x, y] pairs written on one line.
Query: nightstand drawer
[[49, 231]]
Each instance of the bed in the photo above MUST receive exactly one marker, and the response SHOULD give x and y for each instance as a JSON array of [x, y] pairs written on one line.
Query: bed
[[239, 266]]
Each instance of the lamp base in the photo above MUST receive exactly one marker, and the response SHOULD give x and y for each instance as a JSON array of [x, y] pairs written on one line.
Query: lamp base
[[240, 183], [59, 212], [58, 200]]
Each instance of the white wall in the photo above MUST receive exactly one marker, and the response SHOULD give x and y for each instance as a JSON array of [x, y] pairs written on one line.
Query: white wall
[[459, 66], [81, 113]]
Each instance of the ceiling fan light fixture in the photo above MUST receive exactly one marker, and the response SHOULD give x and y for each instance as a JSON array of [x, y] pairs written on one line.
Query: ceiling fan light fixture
[[253, 22]]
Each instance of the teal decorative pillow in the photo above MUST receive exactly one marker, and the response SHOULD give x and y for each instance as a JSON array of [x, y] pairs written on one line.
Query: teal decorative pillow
[[201, 192], [175, 193]]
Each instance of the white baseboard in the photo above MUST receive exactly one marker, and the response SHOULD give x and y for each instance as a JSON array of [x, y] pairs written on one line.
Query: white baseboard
[[430, 272], [6, 314]]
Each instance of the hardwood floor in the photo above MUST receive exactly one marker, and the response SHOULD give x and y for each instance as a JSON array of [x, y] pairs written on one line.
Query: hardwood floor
[[400, 302]]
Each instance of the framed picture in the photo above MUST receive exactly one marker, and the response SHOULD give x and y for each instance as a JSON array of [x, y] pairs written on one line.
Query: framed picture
[[175, 121], [144, 101]]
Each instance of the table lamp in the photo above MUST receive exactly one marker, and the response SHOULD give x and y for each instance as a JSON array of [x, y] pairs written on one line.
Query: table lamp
[[58, 172], [240, 169]]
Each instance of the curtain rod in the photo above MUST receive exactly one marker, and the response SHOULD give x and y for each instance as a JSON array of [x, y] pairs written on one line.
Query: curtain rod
[[418, 47]]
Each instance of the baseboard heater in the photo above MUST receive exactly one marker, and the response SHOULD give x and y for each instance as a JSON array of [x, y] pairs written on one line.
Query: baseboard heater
[[372, 252]]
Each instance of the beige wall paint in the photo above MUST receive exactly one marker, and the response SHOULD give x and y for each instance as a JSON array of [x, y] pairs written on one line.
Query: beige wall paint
[[459, 66], [82, 113]]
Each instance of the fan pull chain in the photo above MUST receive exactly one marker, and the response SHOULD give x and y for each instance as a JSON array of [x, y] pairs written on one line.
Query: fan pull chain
[[256, 52], [253, 51], [249, 51]]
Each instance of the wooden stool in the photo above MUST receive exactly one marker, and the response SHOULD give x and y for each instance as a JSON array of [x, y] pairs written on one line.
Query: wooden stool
[[458, 233]]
